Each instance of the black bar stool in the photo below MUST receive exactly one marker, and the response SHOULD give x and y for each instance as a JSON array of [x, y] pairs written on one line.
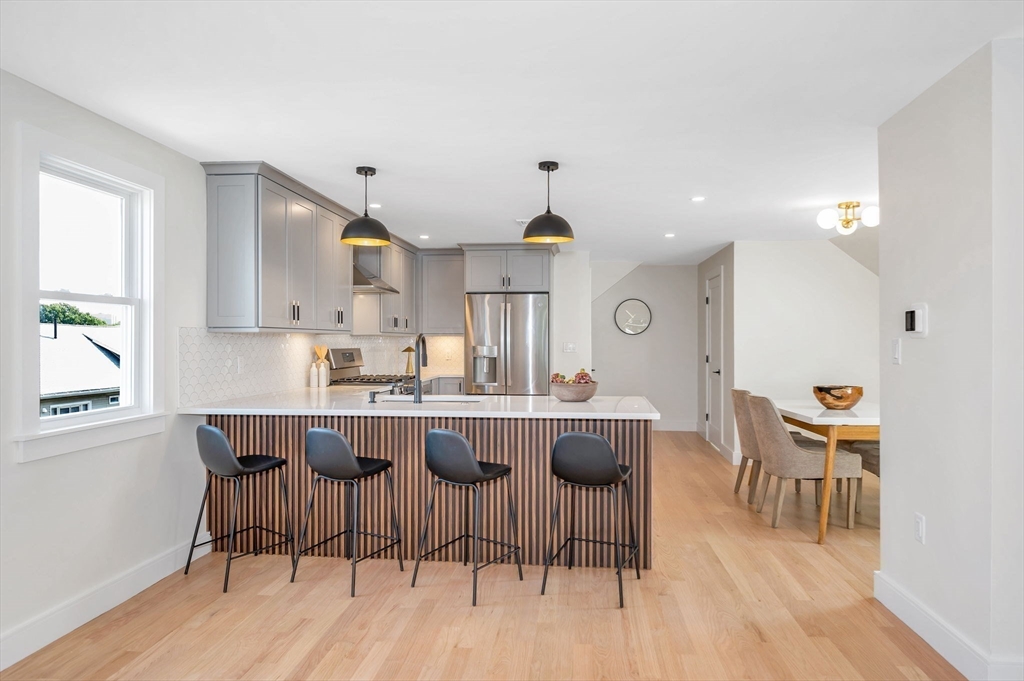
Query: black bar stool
[[329, 453], [219, 458], [586, 460], [451, 459]]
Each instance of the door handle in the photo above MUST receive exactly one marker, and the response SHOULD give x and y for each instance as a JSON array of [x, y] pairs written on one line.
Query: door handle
[[717, 371], [341, 316]]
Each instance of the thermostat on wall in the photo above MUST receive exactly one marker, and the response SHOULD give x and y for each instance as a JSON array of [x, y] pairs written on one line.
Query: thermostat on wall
[[916, 320]]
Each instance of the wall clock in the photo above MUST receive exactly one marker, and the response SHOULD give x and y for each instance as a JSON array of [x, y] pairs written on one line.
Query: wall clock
[[632, 316]]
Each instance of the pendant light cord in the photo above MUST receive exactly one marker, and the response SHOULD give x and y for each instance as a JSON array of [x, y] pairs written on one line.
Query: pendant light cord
[[549, 190], [366, 196]]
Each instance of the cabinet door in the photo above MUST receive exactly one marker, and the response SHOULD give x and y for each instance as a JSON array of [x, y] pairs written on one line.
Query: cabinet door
[[391, 303], [528, 271], [442, 294], [409, 292], [231, 280], [326, 270], [275, 305], [302, 260], [449, 386], [343, 281], [485, 271]]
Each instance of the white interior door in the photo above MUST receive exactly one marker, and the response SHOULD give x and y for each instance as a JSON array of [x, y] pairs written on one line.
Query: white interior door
[[713, 361]]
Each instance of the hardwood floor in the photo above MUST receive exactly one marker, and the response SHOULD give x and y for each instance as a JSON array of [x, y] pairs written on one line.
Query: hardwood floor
[[728, 597]]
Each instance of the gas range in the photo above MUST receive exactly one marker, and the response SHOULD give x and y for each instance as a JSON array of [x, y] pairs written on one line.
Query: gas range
[[346, 369], [373, 379]]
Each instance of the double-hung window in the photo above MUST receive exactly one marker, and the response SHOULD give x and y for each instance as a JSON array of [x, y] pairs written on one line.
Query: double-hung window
[[92, 342]]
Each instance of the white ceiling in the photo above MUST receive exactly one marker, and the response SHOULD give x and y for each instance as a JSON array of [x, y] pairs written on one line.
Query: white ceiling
[[768, 109]]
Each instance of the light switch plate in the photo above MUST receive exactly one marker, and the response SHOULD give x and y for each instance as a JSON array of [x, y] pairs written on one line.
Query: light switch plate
[[897, 353], [568, 347], [919, 527]]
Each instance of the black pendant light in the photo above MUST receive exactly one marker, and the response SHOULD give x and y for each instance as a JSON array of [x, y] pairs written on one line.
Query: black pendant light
[[366, 231], [548, 228]]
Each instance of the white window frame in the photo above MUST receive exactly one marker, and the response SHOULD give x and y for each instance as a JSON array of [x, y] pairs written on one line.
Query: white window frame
[[39, 436]]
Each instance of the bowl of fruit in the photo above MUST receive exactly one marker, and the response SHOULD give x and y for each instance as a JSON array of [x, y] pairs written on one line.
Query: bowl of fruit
[[579, 388]]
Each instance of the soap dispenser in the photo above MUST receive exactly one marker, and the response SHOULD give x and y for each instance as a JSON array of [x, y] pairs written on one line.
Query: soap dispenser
[[314, 376]]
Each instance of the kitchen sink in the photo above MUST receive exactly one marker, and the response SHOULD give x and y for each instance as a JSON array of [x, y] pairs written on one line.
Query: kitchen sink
[[464, 399]]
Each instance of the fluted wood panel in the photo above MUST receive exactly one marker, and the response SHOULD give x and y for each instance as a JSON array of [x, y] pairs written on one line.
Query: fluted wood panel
[[525, 444]]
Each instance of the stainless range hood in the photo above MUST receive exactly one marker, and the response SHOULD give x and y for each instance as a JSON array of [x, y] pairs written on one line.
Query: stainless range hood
[[365, 281]]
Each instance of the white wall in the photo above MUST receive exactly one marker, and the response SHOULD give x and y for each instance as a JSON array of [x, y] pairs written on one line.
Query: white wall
[[950, 188], [570, 312], [83, 531], [805, 314], [660, 363]]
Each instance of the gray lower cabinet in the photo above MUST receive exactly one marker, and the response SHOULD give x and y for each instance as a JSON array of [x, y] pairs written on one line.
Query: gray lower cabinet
[[442, 294], [448, 385], [274, 257], [526, 270]]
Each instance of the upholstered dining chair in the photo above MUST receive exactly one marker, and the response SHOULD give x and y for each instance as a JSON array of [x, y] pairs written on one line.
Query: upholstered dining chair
[[785, 460], [870, 459], [748, 444]]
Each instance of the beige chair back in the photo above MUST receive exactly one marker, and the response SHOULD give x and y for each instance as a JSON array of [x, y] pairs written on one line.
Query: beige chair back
[[748, 439], [780, 457]]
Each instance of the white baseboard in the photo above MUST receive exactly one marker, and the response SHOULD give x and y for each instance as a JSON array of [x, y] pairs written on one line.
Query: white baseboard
[[966, 656], [675, 424], [28, 637]]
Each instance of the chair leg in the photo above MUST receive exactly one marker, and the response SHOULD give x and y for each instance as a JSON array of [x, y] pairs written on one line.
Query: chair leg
[[515, 530], [199, 520], [860, 491], [780, 495], [465, 525], [423, 535], [755, 474], [355, 535], [797, 485], [817, 492], [632, 531], [551, 537], [305, 525], [618, 547], [394, 519], [289, 536], [231, 536], [349, 536], [839, 485], [739, 475], [763, 492], [257, 543], [851, 503], [572, 523], [476, 537]]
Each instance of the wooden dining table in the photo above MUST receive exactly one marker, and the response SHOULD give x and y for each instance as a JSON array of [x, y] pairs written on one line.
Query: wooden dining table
[[860, 423]]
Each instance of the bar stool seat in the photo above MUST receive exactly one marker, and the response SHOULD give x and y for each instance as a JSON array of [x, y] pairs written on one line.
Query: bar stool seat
[[259, 463], [493, 471]]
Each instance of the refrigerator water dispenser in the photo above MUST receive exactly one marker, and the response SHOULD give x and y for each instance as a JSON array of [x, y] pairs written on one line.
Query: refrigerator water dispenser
[[485, 365]]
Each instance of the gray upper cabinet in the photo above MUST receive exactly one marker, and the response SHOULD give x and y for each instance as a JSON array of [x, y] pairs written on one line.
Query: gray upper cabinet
[[409, 281], [508, 270], [333, 273], [274, 255], [396, 312], [442, 294]]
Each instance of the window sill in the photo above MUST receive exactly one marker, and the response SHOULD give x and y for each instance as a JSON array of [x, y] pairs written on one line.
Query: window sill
[[76, 438]]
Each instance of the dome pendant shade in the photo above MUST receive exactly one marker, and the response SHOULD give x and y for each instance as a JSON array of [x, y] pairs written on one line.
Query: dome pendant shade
[[548, 228], [365, 231]]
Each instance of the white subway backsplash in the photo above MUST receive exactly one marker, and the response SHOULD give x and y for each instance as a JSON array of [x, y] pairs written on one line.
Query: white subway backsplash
[[208, 363]]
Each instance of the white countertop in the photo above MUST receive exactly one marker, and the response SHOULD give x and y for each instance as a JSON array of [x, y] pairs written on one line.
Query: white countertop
[[345, 402], [810, 411]]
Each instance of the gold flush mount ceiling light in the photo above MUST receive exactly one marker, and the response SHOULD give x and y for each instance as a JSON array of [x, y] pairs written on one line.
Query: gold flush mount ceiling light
[[846, 223]]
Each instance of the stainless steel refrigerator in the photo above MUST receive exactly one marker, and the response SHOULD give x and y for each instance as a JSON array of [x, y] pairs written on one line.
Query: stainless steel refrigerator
[[507, 344]]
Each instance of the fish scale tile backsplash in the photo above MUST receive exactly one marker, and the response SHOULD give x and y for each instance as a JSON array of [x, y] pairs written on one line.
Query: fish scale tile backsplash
[[222, 366]]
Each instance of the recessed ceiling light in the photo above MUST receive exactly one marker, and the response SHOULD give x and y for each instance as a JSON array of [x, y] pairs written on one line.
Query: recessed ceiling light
[[424, 236], [374, 205], [669, 235], [697, 198]]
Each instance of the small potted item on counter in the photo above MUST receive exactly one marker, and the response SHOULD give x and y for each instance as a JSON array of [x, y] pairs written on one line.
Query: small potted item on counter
[[579, 388]]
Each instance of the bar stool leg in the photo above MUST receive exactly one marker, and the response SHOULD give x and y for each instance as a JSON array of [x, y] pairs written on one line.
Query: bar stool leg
[[199, 520], [348, 523], [355, 535], [572, 523], [632, 531], [394, 519], [423, 535], [465, 526], [257, 543], [305, 524], [551, 537], [618, 550], [476, 537], [289, 536], [231, 536], [515, 530]]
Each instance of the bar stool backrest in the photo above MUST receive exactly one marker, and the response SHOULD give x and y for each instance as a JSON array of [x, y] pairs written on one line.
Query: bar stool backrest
[[745, 426], [216, 452], [451, 457], [585, 459], [329, 453]]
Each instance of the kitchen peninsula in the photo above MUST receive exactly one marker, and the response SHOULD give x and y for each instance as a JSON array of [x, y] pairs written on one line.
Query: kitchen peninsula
[[514, 430]]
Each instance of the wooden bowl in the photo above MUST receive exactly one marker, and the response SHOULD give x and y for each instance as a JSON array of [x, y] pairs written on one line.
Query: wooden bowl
[[838, 396], [574, 392]]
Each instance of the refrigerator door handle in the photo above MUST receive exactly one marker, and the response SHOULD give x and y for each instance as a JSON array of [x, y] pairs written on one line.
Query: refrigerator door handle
[[504, 344]]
